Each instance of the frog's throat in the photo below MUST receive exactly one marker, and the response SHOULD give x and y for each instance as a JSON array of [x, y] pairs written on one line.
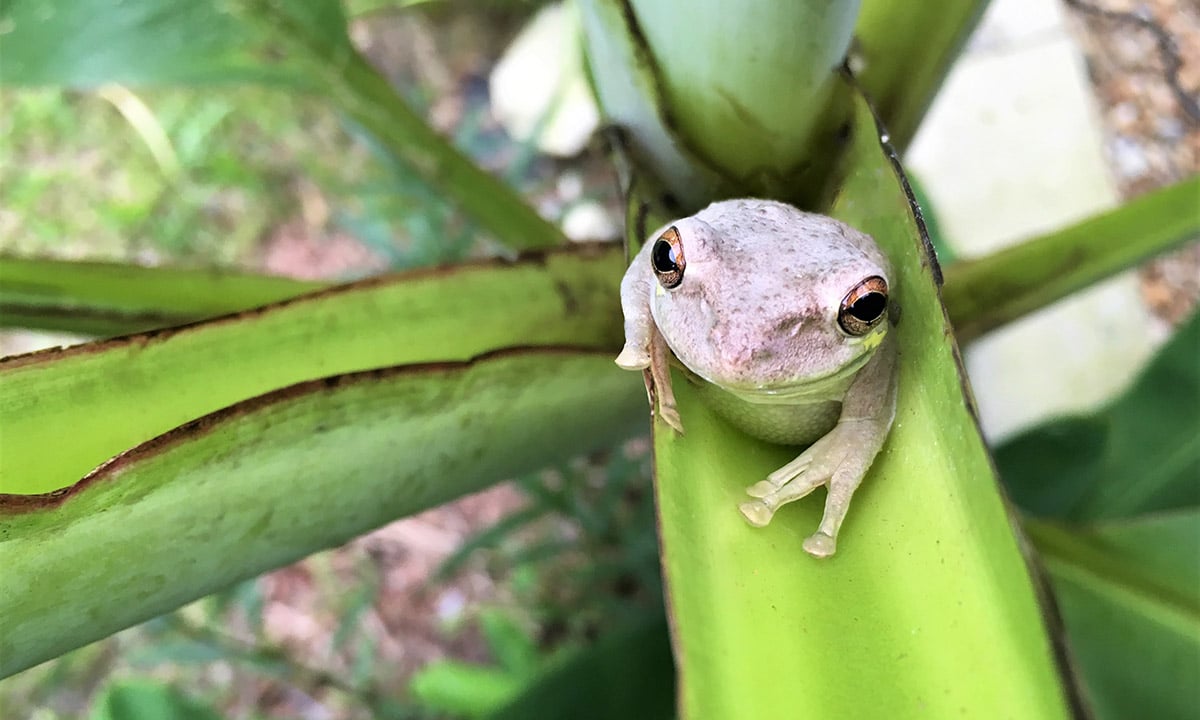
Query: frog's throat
[[823, 387]]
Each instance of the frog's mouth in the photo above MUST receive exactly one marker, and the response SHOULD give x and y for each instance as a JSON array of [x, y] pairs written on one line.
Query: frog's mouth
[[831, 386]]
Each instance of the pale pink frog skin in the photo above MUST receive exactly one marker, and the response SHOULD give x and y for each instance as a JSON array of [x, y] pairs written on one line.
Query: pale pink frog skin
[[781, 319]]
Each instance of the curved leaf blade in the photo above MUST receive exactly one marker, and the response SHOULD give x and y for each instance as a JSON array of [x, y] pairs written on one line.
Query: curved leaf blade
[[86, 43], [272, 479], [106, 299], [140, 386], [1140, 454], [627, 673], [928, 594], [1130, 589]]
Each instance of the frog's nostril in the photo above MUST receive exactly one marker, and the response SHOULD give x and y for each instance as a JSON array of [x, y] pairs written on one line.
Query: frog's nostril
[[788, 326], [764, 354]]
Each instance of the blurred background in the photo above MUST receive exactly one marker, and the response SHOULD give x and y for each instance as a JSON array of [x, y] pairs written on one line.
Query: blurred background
[[1052, 114]]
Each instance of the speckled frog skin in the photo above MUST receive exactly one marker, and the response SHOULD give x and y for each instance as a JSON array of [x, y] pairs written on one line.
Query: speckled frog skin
[[780, 318]]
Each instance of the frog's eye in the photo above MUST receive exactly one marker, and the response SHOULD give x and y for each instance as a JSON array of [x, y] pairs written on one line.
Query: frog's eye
[[864, 306], [666, 257]]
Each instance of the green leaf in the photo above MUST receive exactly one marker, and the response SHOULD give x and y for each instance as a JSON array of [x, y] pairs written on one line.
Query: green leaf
[[108, 299], [905, 50], [512, 648], [1129, 592], [985, 293], [147, 700], [462, 689], [86, 43], [134, 388], [627, 673], [928, 608], [1139, 454], [300, 45], [272, 479], [368, 99]]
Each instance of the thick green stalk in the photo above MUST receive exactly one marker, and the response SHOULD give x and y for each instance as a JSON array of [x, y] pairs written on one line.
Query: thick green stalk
[[983, 294], [718, 99], [905, 50]]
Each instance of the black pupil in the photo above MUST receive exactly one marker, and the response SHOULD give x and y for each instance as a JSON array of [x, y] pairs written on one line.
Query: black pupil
[[663, 257], [869, 307]]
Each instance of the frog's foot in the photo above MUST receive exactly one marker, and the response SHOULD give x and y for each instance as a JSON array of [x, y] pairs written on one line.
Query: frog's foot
[[780, 477], [759, 512], [820, 545]]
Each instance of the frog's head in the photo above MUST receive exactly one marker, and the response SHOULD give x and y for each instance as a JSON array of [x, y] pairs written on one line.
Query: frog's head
[[763, 299]]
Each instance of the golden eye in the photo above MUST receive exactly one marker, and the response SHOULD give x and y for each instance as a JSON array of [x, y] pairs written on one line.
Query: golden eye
[[666, 257], [864, 306]]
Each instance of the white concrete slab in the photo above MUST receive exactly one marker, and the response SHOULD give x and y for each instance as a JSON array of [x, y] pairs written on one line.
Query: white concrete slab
[[1012, 148]]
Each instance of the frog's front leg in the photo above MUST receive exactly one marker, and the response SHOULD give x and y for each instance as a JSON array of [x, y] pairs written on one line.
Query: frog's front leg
[[840, 458], [645, 347], [662, 396]]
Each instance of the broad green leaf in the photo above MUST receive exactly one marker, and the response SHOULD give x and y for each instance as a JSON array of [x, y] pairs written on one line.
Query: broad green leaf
[[64, 412], [927, 609], [473, 690], [113, 299], [905, 50], [146, 700], [1129, 591], [984, 293], [86, 43], [627, 673], [1139, 454], [274, 478]]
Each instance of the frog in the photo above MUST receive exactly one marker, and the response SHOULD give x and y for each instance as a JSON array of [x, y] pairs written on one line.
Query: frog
[[780, 318]]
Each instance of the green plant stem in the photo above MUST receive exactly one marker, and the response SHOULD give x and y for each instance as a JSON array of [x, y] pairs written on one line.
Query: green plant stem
[[107, 299], [366, 97], [906, 50], [984, 294]]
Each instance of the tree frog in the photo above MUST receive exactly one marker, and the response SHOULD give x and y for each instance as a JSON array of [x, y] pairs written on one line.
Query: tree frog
[[780, 319]]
